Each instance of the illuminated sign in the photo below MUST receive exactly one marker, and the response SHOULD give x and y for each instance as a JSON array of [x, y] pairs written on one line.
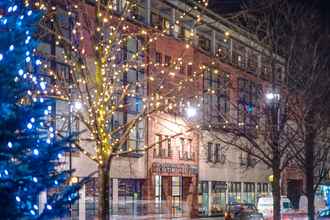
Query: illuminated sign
[[183, 169]]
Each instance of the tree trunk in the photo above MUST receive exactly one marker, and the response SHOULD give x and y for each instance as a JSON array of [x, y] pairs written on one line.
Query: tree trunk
[[276, 194], [104, 194], [309, 163]]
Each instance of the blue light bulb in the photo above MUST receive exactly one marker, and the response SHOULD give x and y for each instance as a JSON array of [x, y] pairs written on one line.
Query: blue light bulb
[[29, 13], [15, 8], [29, 125], [1, 56], [11, 48], [36, 152], [32, 212], [10, 145], [18, 199], [49, 207], [20, 72], [43, 85], [35, 179]]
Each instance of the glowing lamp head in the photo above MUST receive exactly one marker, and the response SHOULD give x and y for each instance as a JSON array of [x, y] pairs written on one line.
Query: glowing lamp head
[[191, 112]]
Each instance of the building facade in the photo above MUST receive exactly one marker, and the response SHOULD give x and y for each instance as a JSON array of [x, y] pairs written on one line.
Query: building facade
[[188, 170]]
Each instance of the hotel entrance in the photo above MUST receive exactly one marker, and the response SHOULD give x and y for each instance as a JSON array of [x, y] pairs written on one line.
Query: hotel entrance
[[170, 191]]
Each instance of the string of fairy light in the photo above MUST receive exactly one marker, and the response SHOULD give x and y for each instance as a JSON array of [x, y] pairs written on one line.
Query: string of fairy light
[[99, 102], [29, 73]]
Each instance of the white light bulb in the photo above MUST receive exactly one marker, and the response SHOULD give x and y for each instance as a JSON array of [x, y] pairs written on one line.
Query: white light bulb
[[10, 145], [36, 152], [29, 125]]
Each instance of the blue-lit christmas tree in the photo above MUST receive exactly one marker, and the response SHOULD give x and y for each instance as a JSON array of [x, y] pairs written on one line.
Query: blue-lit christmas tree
[[29, 151]]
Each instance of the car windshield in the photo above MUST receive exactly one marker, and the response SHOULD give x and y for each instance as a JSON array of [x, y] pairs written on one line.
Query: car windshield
[[325, 213]]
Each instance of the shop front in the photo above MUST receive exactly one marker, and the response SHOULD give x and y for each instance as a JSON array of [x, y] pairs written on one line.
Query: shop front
[[173, 186]]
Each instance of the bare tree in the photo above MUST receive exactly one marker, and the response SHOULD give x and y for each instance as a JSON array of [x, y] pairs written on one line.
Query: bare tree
[[293, 31], [112, 72]]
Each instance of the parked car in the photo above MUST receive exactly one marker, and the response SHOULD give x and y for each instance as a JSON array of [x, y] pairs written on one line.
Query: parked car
[[265, 205], [324, 214], [242, 211], [319, 203]]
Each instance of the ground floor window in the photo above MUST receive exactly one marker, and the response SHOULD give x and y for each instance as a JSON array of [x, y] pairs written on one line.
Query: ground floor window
[[234, 194], [262, 189], [249, 195], [203, 197], [158, 188], [176, 196], [218, 195]]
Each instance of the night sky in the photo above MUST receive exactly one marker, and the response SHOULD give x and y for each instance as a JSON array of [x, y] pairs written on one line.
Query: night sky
[[229, 6]]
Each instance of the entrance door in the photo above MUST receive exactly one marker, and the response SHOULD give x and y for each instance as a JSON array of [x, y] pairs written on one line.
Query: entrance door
[[294, 191], [176, 196]]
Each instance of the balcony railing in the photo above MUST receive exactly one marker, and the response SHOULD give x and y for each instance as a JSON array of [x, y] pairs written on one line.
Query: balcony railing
[[186, 155], [162, 153]]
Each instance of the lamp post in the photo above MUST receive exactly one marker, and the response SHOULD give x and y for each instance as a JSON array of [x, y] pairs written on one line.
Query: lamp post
[[273, 102]]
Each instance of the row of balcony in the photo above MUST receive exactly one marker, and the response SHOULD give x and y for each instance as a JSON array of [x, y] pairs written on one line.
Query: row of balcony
[[168, 154]]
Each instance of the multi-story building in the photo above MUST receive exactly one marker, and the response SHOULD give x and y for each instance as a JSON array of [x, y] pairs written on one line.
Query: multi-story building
[[193, 170]]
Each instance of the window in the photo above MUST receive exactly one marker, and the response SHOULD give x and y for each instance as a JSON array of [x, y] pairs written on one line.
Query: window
[[158, 188], [158, 144], [223, 49], [249, 193], [238, 57], [190, 156], [265, 72], [209, 152], [248, 103], [218, 203], [214, 153], [158, 58], [234, 194], [215, 96], [177, 195], [182, 150], [138, 12], [169, 146], [167, 60], [189, 70], [203, 197], [204, 43], [252, 62]]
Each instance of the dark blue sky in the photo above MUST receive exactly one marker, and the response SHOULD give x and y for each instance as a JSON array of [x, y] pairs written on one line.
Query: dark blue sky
[[229, 6]]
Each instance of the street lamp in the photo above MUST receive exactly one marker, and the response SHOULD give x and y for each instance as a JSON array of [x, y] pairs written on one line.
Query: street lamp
[[273, 97], [191, 112]]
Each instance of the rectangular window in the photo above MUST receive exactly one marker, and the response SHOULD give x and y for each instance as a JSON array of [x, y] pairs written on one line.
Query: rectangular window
[[249, 193], [234, 194], [158, 188], [215, 96], [167, 60], [204, 43], [209, 152], [248, 104], [158, 58], [252, 62], [217, 153], [189, 70], [169, 146], [203, 197], [190, 152], [182, 148], [238, 55], [158, 144]]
